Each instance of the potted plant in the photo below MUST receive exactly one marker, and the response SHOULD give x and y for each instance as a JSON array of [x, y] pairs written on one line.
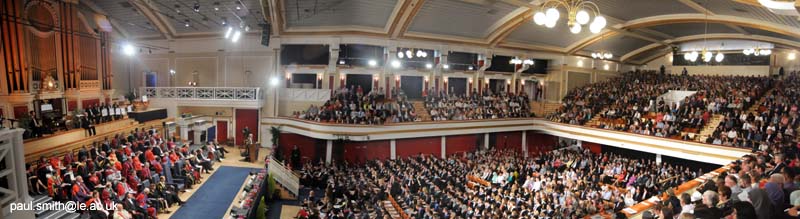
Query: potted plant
[[275, 131]]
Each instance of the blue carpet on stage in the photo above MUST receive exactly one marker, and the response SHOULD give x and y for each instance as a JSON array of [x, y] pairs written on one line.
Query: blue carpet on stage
[[215, 196]]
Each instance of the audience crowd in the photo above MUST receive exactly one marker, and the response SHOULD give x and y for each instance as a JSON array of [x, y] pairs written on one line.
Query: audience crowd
[[140, 172], [443, 106], [352, 106], [773, 123], [565, 183], [634, 103]]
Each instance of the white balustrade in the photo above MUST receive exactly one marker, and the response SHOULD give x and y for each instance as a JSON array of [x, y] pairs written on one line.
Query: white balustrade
[[204, 93]]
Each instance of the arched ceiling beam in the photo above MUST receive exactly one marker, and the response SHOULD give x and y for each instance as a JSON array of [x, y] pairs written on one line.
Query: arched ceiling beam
[[699, 8], [685, 18], [114, 24], [503, 27], [402, 16], [154, 17], [273, 13], [718, 36]]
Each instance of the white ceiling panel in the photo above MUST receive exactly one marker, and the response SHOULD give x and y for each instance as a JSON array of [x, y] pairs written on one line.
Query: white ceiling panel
[[459, 18], [369, 13]]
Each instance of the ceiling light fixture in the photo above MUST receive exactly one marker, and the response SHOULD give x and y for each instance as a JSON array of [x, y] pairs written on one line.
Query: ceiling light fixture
[[372, 63], [791, 56], [428, 65], [579, 12], [705, 53], [396, 64], [216, 6], [224, 21], [228, 32], [196, 7], [186, 23], [236, 36], [128, 49], [446, 66]]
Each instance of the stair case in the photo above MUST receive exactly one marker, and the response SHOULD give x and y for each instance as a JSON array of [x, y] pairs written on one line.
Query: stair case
[[419, 109], [50, 214], [284, 176], [710, 127]]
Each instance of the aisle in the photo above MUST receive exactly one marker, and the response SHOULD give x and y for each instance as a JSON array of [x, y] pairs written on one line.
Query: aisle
[[212, 198]]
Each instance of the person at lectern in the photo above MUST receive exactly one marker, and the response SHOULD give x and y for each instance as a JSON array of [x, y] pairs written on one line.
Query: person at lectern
[[246, 132]]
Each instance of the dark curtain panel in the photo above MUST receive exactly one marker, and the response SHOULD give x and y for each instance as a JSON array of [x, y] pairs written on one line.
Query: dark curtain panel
[[457, 86], [497, 85], [412, 86], [355, 80]]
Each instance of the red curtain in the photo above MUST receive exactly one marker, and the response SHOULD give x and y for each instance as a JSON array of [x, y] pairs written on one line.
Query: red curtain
[[509, 140], [593, 147], [307, 146], [90, 102], [461, 143], [416, 146], [246, 118], [360, 151], [540, 143], [72, 105], [20, 111]]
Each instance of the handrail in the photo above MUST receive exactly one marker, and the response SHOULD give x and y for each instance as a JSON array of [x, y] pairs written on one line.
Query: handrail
[[533, 120], [284, 176], [397, 207], [204, 93]]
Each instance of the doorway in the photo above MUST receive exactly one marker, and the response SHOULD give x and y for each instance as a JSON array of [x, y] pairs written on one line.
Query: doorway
[[222, 131]]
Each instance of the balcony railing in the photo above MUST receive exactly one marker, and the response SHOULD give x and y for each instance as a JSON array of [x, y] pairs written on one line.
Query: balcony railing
[[203, 93]]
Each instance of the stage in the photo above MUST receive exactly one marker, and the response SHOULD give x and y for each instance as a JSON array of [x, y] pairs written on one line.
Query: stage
[[148, 115]]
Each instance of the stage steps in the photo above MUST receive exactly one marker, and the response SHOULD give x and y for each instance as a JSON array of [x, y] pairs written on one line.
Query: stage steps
[[42, 214], [419, 109]]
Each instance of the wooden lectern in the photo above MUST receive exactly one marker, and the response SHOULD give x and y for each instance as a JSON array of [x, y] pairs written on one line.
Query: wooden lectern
[[252, 150]]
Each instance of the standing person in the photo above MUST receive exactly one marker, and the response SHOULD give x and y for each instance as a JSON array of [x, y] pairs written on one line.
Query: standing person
[[246, 132], [296, 156], [36, 126], [86, 123]]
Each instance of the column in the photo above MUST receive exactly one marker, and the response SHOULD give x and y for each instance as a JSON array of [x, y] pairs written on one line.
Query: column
[[444, 146], [486, 141], [328, 151], [525, 143], [393, 149], [184, 132]]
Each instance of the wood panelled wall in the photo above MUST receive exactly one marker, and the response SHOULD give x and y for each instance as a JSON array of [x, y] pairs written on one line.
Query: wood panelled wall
[[43, 38]]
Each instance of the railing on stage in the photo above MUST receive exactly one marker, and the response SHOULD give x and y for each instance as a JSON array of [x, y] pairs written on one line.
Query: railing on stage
[[284, 176], [204, 93]]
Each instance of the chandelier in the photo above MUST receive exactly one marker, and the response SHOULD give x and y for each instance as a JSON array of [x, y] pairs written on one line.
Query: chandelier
[[757, 51], [517, 61], [602, 55], [409, 53], [579, 13], [705, 54]]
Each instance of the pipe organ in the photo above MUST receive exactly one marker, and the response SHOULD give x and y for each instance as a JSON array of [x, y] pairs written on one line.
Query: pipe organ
[[52, 50]]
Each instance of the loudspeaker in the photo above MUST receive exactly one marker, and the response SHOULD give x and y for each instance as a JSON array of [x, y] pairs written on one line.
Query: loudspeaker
[[265, 32]]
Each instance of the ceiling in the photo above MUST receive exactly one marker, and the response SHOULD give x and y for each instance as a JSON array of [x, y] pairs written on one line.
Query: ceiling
[[632, 24]]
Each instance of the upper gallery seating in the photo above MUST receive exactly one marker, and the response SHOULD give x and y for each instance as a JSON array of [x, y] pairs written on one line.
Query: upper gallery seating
[[442, 106], [770, 124], [631, 102], [352, 106]]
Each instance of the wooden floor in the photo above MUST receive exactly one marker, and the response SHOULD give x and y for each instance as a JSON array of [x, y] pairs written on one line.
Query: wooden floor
[[289, 211], [231, 159]]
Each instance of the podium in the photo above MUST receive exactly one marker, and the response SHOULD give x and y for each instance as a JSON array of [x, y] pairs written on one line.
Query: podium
[[252, 151]]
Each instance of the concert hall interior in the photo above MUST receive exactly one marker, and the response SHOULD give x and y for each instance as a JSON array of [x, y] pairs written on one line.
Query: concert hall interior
[[399, 109]]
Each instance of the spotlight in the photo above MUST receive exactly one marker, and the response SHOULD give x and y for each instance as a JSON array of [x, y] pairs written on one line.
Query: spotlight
[[428, 65], [400, 55], [196, 7], [469, 68], [446, 66], [216, 6], [128, 49], [246, 28], [186, 23], [274, 81], [409, 54], [236, 36], [238, 8], [341, 62], [396, 64], [172, 71], [372, 63], [228, 33], [224, 21]]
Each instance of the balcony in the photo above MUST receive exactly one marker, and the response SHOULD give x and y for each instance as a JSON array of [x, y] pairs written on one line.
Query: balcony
[[670, 147], [241, 97]]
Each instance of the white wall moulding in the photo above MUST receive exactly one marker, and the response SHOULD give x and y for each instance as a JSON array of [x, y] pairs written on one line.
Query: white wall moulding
[[239, 97], [300, 94], [669, 147]]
